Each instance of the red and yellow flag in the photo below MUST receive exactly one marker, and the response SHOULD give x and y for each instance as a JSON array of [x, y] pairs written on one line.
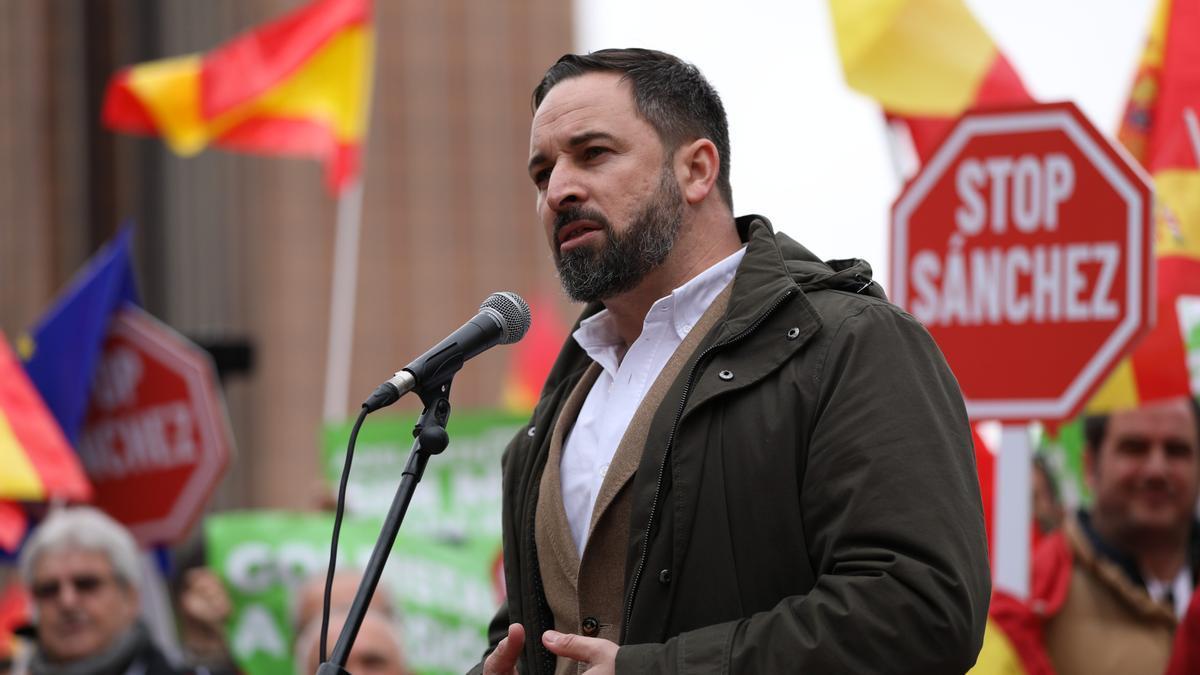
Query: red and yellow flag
[[1161, 128], [296, 86], [924, 61], [38, 462]]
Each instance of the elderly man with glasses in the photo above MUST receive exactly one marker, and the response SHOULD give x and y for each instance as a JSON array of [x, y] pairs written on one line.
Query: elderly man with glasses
[[81, 569]]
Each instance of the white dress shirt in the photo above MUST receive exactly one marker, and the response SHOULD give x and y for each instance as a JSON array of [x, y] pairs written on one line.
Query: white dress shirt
[[1178, 591], [618, 391]]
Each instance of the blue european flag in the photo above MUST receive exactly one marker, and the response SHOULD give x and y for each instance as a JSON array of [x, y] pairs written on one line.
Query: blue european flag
[[62, 350]]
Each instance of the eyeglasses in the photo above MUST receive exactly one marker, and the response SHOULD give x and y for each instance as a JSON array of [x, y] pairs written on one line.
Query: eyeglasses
[[84, 584]]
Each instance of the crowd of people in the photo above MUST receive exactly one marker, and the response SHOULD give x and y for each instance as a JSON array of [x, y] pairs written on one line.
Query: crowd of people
[[744, 460], [1112, 583], [83, 575]]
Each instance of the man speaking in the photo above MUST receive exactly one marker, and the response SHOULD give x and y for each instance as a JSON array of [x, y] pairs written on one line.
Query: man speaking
[[744, 460]]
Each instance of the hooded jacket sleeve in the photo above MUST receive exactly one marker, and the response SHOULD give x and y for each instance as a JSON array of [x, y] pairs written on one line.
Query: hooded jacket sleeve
[[890, 500]]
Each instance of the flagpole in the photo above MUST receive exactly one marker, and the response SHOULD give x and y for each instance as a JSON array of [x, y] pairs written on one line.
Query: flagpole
[[342, 300], [343, 295]]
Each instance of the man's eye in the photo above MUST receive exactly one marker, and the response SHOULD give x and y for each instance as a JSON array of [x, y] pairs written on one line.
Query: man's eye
[[541, 177], [594, 152]]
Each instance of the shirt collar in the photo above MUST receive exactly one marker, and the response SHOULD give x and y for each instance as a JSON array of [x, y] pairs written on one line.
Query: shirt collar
[[598, 336]]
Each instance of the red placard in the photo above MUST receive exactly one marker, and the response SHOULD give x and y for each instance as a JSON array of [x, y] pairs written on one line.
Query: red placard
[[1024, 246], [156, 439]]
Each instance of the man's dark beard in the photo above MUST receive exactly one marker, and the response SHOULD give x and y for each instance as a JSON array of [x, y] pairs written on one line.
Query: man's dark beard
[[590, 273]]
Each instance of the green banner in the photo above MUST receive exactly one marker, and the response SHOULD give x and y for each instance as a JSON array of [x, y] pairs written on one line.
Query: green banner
[[459, 495], [444, 589], [1064, 455]]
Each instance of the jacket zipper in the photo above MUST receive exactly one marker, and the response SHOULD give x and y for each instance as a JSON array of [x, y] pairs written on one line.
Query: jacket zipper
[[687, 390]]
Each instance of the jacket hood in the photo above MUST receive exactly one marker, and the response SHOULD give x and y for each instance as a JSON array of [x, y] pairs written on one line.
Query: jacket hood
[[852, 275]]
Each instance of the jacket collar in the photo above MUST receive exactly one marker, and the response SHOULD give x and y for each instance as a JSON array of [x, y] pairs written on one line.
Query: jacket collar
[[773, 266], [1126, 563], [762, 276]]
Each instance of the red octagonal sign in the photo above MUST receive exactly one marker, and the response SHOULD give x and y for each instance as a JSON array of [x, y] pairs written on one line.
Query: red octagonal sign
[[1024, 246], [156, 439]]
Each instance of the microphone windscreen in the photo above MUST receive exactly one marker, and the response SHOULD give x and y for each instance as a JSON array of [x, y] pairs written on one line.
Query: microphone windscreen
[[513, 314]]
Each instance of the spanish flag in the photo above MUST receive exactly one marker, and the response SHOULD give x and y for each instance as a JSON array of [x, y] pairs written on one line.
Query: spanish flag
[[924, 61], [1161, 128], [296, 86], [38, 462]]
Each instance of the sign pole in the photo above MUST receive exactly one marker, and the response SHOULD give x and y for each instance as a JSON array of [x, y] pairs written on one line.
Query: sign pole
[[1014, 478]]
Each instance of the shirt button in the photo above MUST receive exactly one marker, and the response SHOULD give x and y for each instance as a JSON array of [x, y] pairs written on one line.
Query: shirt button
[[591, 627], [793, 333], [531, 432], [726, 375], [664, 577]]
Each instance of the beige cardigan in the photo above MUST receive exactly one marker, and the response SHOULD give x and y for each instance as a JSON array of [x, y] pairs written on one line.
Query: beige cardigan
[[586, 596]]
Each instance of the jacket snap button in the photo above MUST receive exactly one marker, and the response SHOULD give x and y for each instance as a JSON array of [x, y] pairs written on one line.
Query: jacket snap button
[[793, 333], [531, 432], [726, 375], [664, 577], [591, 627]]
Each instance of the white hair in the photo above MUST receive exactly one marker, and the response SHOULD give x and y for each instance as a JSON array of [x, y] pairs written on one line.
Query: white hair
[[83, 528]]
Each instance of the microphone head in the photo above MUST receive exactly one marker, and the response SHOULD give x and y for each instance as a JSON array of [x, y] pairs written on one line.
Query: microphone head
[[511, 312]]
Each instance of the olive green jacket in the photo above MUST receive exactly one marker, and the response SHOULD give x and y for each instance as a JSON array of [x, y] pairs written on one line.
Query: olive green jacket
[[806, 500]]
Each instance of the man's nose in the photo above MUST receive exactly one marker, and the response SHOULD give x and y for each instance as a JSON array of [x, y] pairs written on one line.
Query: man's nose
[[565, 188], [1156, 461], [67, 595]]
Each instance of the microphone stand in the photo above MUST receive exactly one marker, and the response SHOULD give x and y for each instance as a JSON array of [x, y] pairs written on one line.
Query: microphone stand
[[430, 438]]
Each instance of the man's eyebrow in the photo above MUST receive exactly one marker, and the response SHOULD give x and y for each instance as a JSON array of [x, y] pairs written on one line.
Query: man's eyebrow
[[574, 142], [588, 136]]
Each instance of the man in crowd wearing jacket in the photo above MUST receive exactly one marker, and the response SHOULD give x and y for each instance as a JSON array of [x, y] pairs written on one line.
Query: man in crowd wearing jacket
[[744, 460], [1112, 585]]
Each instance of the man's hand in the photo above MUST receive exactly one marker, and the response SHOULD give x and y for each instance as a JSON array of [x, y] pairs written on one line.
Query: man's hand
[[600, 655], [503, 659]]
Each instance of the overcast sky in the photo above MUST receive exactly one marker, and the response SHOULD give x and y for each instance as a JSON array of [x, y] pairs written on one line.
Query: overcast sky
[[811, 154]]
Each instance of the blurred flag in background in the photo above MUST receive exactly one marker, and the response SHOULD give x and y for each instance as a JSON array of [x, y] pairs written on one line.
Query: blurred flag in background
[[925, 62], [296, 86], [63, 349], [1161, 130]]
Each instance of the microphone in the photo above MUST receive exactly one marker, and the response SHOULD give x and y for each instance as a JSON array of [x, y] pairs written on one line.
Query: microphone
[[503, 319]]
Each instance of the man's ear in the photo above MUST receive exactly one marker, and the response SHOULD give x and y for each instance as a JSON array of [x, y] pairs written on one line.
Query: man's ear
[[697, 165]]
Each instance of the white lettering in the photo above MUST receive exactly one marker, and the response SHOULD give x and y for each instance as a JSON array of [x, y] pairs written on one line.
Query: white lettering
[[985, 284], [1103, 306], [250, 567], [153, 439], [926, 269], [1016, 304], [998, 170], [1076, 281], [1060, 184], [1016, 285], [954, 287], [255, 632], [1027, 194], [970, 215], [1047, 284], [1027, 190]]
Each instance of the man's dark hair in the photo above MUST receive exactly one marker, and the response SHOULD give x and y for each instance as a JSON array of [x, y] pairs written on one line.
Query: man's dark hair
[[1095, 427], [672, 95]]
